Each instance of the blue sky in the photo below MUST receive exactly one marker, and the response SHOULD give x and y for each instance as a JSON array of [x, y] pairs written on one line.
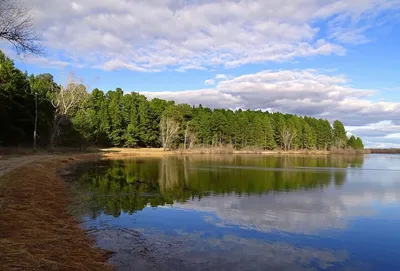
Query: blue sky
[[331, 59]]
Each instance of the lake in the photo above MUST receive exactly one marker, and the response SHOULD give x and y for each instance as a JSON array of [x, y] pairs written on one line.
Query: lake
[[243, 212]]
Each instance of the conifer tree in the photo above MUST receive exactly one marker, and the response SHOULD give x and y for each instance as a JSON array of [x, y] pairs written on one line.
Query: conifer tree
[[339, 135]]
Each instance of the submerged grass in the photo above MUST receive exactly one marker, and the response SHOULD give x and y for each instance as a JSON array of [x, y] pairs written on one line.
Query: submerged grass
[[36, 232]]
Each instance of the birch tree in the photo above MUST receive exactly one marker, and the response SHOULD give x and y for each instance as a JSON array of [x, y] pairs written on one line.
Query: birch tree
[[287, 136], [65, 101], [169, 129]]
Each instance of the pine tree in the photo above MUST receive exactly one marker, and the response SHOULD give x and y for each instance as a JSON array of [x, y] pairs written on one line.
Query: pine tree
[[279, 124], [104, 124], [269, 141], [308, 138], [359, 144], [297, 128], [132, 135], [352, 142], [242, 126], [116, 118], [324, 134], [257, 133], [339, 135]]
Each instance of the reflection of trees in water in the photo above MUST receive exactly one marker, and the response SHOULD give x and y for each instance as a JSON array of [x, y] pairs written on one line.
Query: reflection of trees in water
[[120, 186], [130, 185]]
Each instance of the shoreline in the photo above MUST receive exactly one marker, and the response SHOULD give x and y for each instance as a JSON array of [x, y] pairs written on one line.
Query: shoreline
[[116, 153], [35, 228]]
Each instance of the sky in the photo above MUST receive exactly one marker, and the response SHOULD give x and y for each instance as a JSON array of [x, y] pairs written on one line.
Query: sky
[[322, 58]]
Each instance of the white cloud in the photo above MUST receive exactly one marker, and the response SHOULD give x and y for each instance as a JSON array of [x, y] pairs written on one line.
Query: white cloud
[[222, 77], [383, 134], [54, 63], [304, 92], [217, 78], [395, 135], [353, 36], [200, 96], [209, 82], [380, 145], [117, 64], [181, 35]]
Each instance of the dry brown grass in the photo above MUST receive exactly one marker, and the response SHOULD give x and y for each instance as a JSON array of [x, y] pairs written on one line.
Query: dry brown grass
[[36, 233], [350, 151], [118, 153]]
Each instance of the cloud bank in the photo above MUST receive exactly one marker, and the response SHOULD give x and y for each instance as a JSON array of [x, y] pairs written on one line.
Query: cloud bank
[[144, 35]]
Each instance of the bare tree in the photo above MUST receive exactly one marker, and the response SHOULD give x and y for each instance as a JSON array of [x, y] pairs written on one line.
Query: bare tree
[[287, 136], [169, 131], [340, 143], [64, 101], [17, 27]]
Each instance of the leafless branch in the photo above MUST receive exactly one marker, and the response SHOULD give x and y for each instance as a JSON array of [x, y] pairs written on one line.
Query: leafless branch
[[169, 130], [64, 101], [17, 27]]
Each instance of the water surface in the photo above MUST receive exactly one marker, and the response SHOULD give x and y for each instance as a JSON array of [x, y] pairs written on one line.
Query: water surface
[[233, 212]]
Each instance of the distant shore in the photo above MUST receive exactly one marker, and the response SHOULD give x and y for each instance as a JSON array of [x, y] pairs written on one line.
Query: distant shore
[[116, 153], [388, 150]]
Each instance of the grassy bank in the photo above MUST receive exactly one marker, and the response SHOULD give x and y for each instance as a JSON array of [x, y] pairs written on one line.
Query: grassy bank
[[36, 232]]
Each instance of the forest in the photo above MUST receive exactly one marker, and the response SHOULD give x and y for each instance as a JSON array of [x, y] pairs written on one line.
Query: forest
[[36, 111]]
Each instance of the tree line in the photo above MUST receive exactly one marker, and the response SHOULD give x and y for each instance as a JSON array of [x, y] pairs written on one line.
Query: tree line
[[34, 108]]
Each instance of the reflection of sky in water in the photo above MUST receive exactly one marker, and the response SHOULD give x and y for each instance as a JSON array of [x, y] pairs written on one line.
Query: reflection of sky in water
[[351, 227]]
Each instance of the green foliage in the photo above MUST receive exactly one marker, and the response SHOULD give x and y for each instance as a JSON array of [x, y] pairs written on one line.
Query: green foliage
[[339, 135], [324, 134], [355, 143], [359, 143], [308, 137], [269, 142], [16, 105]]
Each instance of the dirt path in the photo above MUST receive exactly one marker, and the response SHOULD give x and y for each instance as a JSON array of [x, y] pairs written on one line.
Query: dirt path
[[8, 164]]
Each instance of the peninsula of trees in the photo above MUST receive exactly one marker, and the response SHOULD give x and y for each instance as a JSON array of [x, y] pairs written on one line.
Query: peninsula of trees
[[35, 109]]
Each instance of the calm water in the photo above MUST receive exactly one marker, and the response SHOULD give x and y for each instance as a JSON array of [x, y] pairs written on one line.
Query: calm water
[[244, 212]]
